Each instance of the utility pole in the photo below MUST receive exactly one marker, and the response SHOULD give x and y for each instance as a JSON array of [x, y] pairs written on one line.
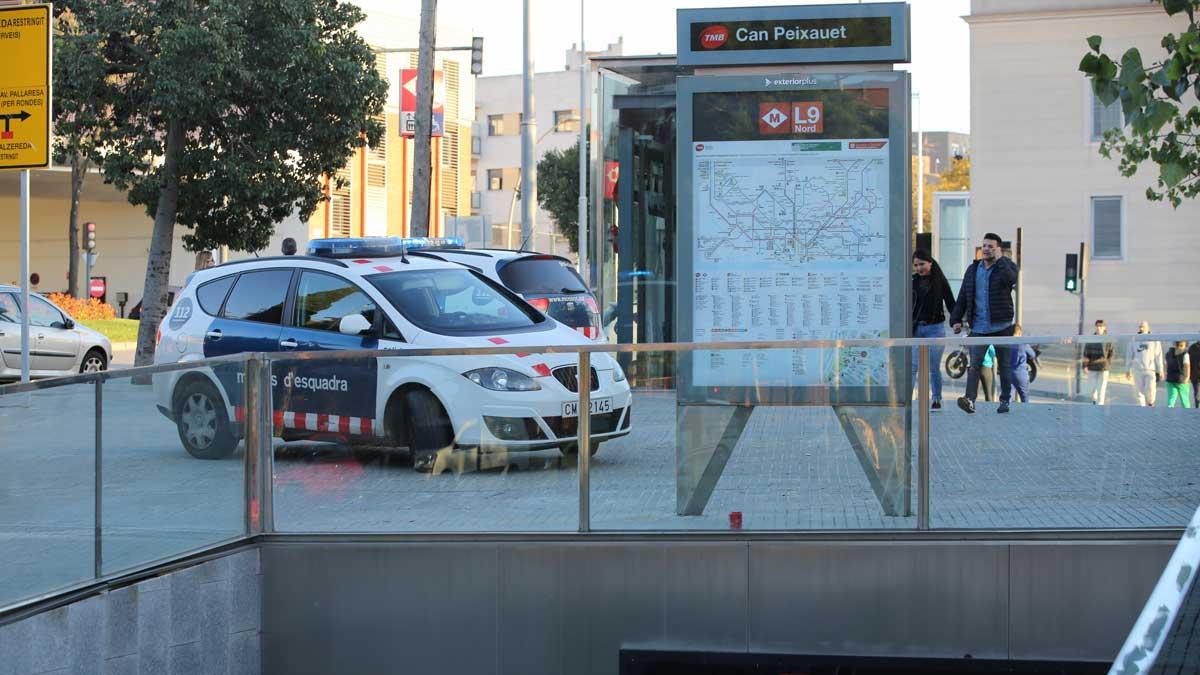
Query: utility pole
[[528, 129], [1083, 275], [1020, 280], [422, 155], [583, 130]]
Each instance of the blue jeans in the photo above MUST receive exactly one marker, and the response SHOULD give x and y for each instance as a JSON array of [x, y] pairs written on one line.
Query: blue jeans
[[932, 330]]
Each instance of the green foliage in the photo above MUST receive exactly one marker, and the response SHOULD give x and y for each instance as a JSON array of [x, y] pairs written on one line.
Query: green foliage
[[79, 87], [271, 96], [1159, 126], [558, 190]]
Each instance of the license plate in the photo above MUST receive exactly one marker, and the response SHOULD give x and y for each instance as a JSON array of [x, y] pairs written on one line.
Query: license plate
[[598, 406]]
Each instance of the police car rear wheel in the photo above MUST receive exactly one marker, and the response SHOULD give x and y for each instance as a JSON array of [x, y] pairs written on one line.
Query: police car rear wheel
[[429, 431], [202, 422]]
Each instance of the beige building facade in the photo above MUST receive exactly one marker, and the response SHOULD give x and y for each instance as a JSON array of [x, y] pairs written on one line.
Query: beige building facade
[[1035, 164]]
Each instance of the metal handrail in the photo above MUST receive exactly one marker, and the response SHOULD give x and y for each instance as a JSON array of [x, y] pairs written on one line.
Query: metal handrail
[[601, 348]]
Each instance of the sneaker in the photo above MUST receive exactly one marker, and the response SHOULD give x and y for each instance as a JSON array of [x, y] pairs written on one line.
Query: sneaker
[[937, 405], [1003, 407], [966, 405]]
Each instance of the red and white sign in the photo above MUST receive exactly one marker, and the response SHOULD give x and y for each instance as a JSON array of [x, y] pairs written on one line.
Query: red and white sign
[[612, 171], [97, 287], [805, 117], [408, 103], [714, 36], [773, 118]]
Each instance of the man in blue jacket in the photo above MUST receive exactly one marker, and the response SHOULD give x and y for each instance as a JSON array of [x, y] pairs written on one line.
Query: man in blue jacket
[[986, 302]]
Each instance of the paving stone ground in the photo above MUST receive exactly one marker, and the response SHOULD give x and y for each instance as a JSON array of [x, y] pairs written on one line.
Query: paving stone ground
[[1045, 465]]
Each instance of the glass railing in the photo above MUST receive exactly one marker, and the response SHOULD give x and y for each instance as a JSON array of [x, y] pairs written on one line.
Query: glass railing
[[737, 437], [96, 480]]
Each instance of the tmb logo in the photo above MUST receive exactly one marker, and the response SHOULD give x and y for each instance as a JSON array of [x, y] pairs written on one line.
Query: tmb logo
[[714, 36], [773, 118]]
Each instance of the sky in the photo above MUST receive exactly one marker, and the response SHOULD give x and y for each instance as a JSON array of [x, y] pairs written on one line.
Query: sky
[[940, 56]]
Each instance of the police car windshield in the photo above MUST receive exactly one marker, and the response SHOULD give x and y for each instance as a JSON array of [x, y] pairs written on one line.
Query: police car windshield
[[452, 302]]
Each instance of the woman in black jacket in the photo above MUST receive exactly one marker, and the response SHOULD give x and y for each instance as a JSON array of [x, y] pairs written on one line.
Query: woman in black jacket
[[930, 293]]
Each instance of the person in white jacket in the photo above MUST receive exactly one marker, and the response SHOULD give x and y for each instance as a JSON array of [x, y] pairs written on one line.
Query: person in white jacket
[[1145, 363]]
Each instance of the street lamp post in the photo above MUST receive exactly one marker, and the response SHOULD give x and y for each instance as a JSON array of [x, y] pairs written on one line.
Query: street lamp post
[[512, 205]]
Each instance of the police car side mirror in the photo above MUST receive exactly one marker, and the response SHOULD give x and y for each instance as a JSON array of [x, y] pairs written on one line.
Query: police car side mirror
[[353, 324]]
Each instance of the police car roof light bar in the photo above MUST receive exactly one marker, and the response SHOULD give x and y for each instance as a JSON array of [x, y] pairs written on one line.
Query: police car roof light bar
[[377, 247]]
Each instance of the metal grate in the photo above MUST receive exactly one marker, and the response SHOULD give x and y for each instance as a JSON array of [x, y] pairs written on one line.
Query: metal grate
[[1106, 227], [568, 376]]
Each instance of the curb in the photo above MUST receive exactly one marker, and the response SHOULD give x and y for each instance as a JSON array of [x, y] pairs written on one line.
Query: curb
[[124, 346]]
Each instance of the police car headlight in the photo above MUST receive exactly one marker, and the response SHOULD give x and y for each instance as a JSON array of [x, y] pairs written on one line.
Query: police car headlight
[[501, 379], [618, 374]]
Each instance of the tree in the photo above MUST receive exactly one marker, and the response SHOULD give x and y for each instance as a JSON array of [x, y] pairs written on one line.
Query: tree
[[226, 115], [79, 115], [558, 191], [1158, 126], [958, 178]]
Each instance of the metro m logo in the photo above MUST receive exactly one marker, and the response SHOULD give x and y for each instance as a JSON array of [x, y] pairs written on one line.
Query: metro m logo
[[773, 118]]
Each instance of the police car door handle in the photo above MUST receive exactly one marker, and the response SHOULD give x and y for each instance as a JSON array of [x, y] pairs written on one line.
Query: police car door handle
[[213, 335], [288, 343]]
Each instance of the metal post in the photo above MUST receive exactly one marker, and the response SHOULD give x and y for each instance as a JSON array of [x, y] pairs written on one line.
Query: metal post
[[528, 129], [585, 440], [256, 433], [98, 488], [583, 130], [25, 275], [1020, 309], [1082, 309], [920, 169], [923, 438]]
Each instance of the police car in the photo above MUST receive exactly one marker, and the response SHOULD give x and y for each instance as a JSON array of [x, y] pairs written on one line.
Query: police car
[[548, 282], [369, 293]]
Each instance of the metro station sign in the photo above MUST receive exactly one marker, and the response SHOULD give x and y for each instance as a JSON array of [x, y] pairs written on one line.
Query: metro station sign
[[876, 32]]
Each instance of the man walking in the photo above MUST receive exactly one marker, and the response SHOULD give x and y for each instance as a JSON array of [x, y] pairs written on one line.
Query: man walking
[[1145, 363], [1097, 358], [986, 302]]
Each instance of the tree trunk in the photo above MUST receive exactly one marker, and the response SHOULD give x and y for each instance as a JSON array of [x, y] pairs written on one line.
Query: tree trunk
[[158, 265], [79, 169], [422, 153]]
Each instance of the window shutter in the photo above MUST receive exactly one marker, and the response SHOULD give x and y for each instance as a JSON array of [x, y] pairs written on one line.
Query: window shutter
[[1105, 117], [1106, 227]]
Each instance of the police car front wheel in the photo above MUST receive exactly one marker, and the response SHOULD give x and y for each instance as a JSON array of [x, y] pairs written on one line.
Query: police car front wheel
[[202, 422], [429, 432]]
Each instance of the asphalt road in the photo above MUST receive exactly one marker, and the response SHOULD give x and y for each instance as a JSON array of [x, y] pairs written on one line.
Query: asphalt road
[[1043, 465]]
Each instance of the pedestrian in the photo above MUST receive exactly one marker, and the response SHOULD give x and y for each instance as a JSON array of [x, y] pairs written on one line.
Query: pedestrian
[[1144, 361], [985, 301], [987, 374], [930, 292], [1097, 359], [288, 246], [1194, 357], [1022, 356], [1179, 387]]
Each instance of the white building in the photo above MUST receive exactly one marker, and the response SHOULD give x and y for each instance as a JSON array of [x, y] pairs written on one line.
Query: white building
[[496, 147], [1035, 163]]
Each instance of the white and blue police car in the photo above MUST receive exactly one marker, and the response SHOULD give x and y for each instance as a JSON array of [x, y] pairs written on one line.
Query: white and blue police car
[[369, 294]]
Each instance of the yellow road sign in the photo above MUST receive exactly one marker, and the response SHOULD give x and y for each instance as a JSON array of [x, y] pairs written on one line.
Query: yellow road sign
[[25, 97]]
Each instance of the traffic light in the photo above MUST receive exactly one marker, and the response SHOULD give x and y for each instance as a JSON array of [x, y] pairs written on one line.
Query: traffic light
[[476, 55], [1071, 281], [89, 236]]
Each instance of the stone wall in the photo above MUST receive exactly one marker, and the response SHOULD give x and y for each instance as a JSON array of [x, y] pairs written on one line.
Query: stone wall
[[201, 619]]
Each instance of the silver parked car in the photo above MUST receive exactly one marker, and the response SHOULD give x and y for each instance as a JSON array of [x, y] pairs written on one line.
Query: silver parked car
[[57, 345]]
